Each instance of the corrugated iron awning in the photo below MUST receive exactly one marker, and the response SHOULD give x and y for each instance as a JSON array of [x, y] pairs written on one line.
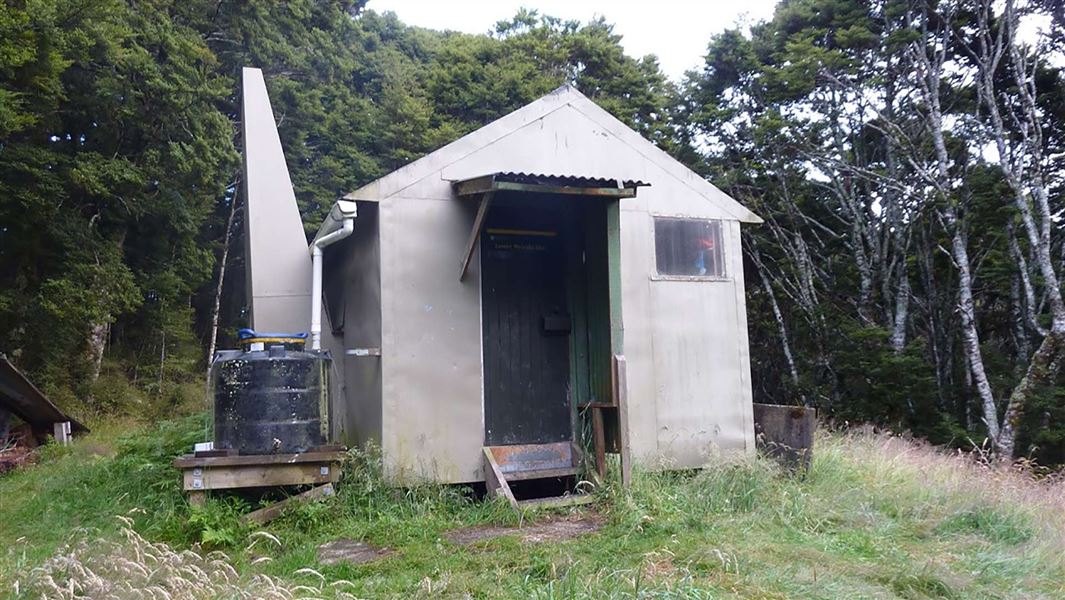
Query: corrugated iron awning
[[24, 400], [543, 183]]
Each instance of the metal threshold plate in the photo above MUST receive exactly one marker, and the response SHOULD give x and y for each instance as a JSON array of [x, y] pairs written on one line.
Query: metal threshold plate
[[533, 457]]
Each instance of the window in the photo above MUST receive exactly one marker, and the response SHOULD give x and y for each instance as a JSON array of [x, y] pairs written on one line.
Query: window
[[689, 248]]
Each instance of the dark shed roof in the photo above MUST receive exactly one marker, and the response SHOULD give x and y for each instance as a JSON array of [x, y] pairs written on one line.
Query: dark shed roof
[[22, 398]]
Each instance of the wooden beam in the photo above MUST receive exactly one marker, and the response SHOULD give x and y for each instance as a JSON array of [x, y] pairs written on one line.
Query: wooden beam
[[265, 515], [494, 481], [620, 384], [613, 241], [599, 439], [541, 474], [472, 187], [198, 498], [536, 188], [187, 461], [245, 476], [475, 233]]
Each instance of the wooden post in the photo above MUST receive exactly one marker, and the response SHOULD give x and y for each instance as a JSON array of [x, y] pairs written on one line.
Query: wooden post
[[198, 498], [599, 438], [61, 432], [621, 400]]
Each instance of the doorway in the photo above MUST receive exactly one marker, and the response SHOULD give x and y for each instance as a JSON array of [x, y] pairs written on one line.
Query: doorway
[[545, 316]]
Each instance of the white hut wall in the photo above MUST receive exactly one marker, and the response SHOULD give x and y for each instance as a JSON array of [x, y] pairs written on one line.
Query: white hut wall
[[432, 420], [685, 342], [352, 289], [686, 349]]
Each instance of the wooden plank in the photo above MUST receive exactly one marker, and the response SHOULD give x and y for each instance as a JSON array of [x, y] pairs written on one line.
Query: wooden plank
[[472, 187], [188, 460], [621, 399], [536, 188], [245, 476], [198, 498], [532, 457], [540, 474], [213, 453], [613, 233], [557, 501], [599, 439], [495, 483], [269, 513], [475, 233]]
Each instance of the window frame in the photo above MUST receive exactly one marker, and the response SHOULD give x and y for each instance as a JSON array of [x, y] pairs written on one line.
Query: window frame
[[722, 224]]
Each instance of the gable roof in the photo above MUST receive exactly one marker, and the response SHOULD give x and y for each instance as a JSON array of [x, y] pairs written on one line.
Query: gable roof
[[566, 95]]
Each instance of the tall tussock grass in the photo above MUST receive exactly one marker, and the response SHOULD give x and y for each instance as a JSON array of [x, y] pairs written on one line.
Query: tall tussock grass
[[134, 568], [876, 515]]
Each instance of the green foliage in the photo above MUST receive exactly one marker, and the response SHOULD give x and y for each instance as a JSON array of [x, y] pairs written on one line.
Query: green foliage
[[813, 119], [893, 389], [113, 155], [118, 165], [997, 526]]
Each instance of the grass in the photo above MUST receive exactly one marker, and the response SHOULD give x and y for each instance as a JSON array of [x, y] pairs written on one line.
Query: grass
[[876, 517]]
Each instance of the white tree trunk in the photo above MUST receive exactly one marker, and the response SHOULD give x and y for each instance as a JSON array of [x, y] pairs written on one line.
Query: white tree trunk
[[779, 316], [902, 310], [929, 54], [216, 308], [1022, 158], [97, 344]]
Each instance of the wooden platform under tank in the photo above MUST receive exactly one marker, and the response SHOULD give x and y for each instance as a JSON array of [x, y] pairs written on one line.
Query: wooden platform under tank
[[202, 473]]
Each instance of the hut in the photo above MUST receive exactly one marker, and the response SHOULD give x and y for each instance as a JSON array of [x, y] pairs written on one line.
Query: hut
[[550, 278]]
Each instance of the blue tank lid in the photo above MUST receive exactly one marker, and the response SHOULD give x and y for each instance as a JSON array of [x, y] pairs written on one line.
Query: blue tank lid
[[247, 333]]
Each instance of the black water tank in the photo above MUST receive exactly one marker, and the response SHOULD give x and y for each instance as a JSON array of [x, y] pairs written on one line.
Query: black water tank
[[273, 401]]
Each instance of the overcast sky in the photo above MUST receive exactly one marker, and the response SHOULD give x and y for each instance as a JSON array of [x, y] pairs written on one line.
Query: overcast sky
[[676, 31]]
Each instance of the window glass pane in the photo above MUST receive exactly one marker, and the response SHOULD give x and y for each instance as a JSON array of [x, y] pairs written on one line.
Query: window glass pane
[[689, 247]]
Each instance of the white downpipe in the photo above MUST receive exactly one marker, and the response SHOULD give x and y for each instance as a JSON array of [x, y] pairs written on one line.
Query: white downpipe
[[348, 226]]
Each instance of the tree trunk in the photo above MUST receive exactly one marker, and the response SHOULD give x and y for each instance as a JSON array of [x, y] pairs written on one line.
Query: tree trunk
[[970, 335], [97, 343], [779, 316], [1022, 158], [216, 308], [1043, 369], [902, 309]]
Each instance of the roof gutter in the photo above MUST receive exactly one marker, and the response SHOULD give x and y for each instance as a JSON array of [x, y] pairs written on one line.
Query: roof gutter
[[339, 224]]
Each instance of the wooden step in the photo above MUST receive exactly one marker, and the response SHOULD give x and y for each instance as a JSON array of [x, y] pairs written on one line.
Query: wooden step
[[534, 457], [504, 464], [557, 501], [540, 474]]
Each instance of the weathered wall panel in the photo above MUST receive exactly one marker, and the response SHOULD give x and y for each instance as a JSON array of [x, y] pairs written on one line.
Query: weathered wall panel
[[696, 371], [431, 349], [636, 254], [352, 282], [743, 347]]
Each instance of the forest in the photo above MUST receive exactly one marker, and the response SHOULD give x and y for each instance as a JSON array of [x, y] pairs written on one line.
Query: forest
[[906, 156]]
